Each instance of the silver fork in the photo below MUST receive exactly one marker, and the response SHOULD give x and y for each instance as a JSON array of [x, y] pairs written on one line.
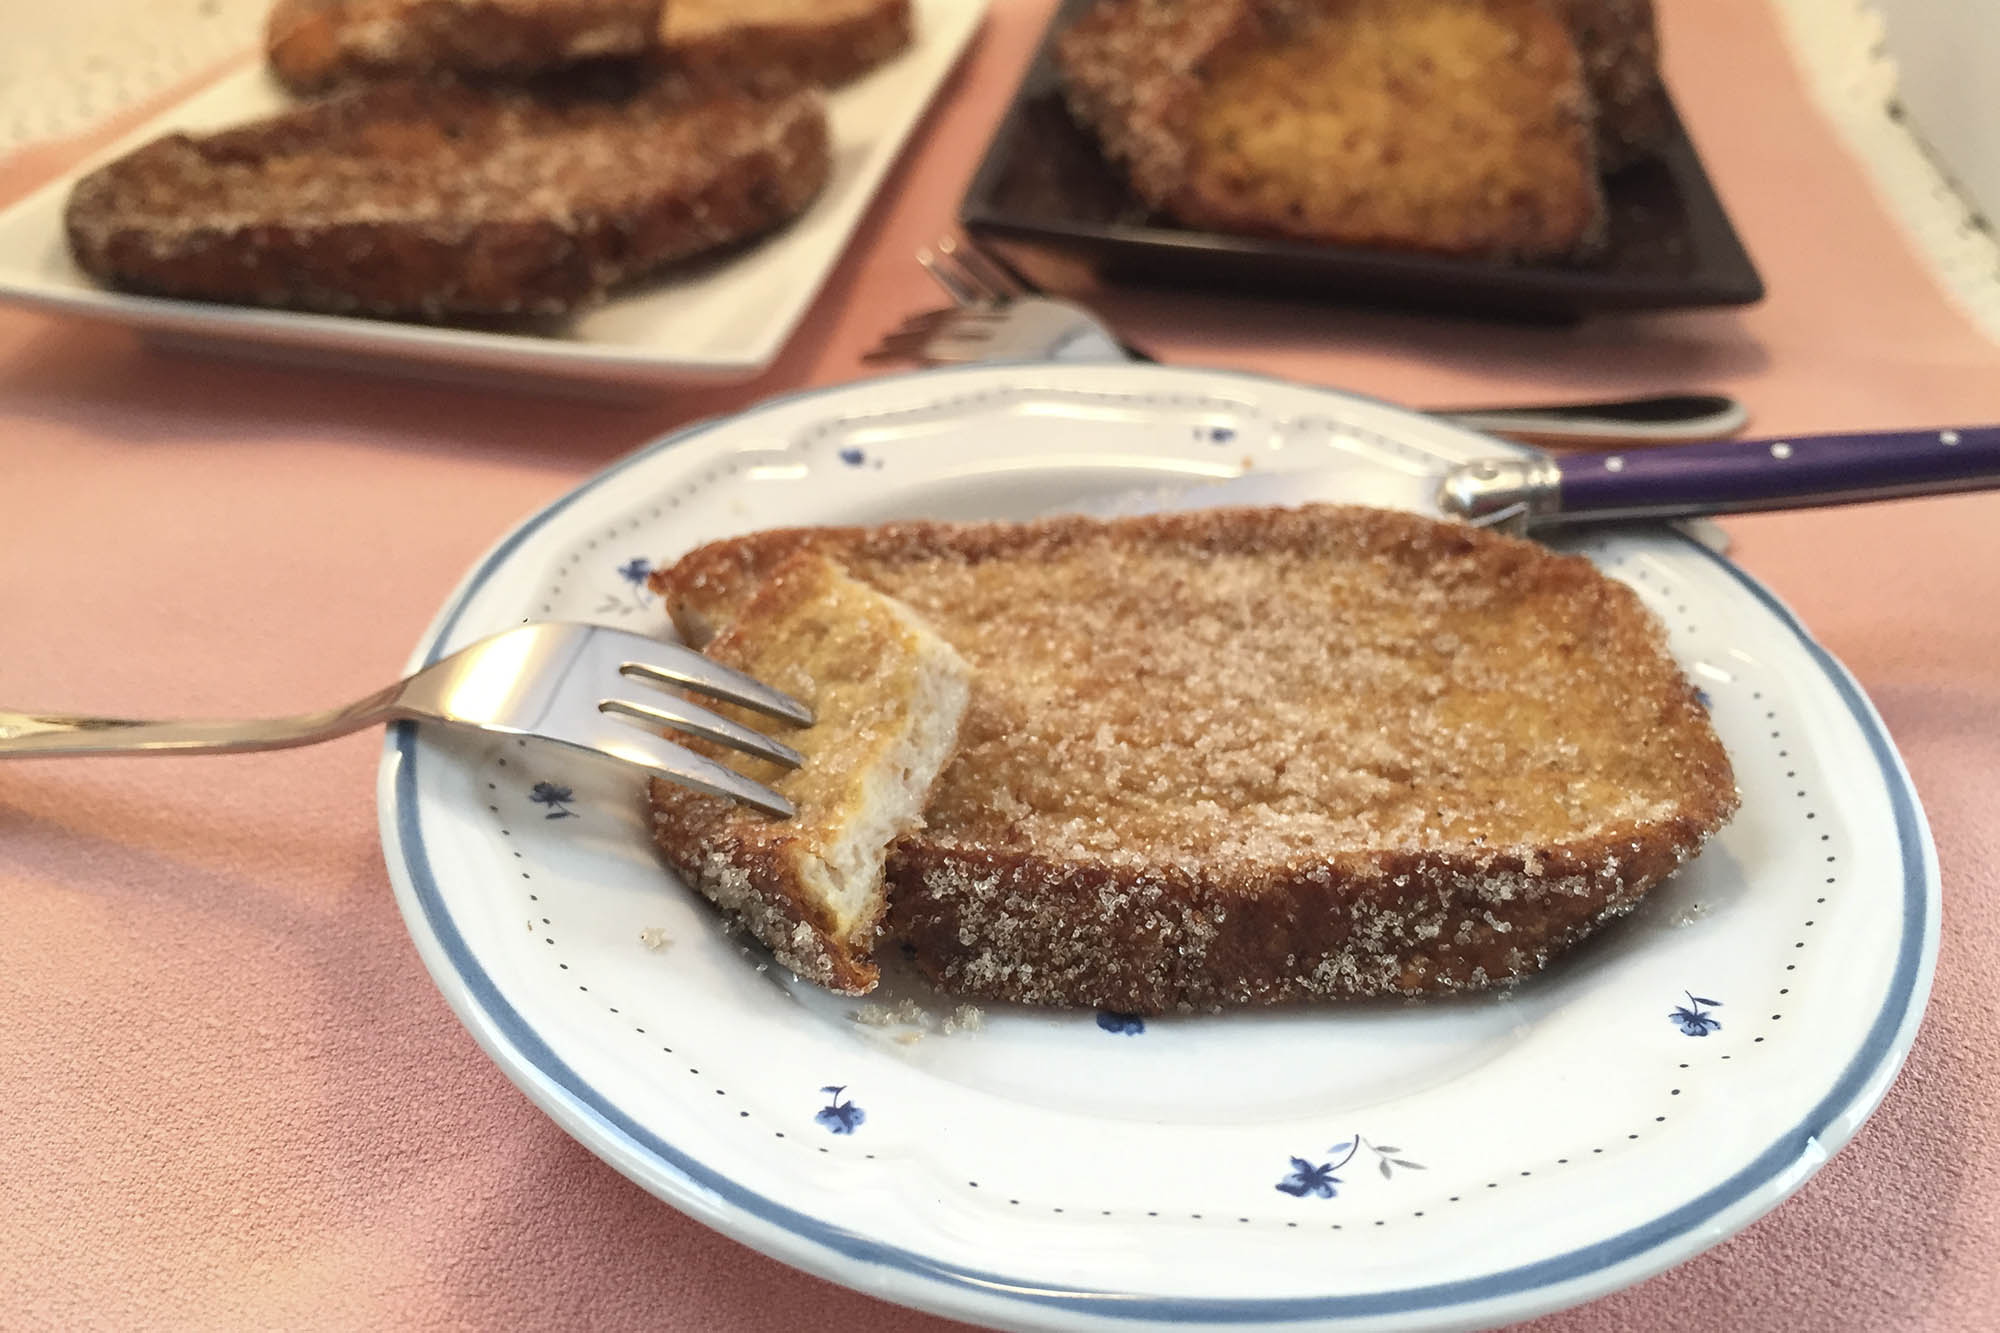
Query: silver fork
[[548, 680], [999, 315]]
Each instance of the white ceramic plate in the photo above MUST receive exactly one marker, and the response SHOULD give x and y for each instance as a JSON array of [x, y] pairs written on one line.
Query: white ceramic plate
[[722, 320], [1362, 1166]]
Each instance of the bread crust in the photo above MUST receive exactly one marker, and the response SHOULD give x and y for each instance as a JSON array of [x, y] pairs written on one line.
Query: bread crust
[[773, 48], [1035, 929], [313, 45], [1191, 902], [1251, 116], [444, 201], [1619, 45]]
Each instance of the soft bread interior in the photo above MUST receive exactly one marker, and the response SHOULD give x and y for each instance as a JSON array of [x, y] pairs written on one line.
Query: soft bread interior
[[888, 694], [889, 790]]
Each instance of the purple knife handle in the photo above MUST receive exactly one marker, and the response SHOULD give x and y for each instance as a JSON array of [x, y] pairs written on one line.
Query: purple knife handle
[[1796, 472]]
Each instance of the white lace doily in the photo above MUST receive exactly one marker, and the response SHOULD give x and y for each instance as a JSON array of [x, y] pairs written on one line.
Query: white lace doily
[[66, 65], [1840, 44]]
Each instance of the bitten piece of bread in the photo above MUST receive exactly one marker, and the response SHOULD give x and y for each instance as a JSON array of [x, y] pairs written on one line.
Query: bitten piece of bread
[[887, 694]]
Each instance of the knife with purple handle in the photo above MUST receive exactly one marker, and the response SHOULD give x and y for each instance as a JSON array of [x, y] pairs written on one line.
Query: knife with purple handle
[[1687, 481]]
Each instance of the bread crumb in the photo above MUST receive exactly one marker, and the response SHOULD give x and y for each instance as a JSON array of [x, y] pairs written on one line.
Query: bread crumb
[[653, 937], [917, 1020], [904, 1013], [1688, 915]]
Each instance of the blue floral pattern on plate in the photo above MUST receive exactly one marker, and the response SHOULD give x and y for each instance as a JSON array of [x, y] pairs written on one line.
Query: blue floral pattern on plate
[[1318, 1180], [556, 797], [841, 1117], [1309, 1179], [1125, 1025], [634, 572], [1694, 1020]]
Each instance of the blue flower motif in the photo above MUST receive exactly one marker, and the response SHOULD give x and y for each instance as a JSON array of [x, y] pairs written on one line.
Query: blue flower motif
[[1306, 1178], [635, 572], [1127, 1025], [556, 797], [1309, 1179], [1692, 1019], [1701, 697], [1221, 434], [853, 457], [839, 1116]]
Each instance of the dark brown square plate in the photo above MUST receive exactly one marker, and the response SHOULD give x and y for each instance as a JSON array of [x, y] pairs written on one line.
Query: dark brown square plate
[[1047, 201]]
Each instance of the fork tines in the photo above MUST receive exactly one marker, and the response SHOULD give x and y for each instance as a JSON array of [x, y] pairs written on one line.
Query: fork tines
[[908, 338], [969, 275], [972, 280], [979, 269], [674, 667], [691, 671]]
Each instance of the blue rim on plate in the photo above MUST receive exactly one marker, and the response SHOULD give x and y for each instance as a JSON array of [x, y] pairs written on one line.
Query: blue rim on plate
[[524, 1053]]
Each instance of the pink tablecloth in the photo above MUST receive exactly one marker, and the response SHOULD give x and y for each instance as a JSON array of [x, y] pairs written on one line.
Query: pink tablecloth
[[229, 1095]]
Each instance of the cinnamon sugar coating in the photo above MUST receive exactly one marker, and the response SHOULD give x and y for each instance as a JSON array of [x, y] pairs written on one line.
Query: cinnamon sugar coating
[[1246, 756], [441, 200], [1618, 41], [776, 45]]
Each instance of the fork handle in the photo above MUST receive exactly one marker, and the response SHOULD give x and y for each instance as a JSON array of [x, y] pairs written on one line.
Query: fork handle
[[53, 734]]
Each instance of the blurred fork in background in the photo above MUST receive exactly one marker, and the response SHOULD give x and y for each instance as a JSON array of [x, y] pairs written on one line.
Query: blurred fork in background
[[999, 315]]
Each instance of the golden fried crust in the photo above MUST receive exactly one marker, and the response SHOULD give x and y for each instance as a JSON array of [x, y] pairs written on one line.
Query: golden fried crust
[[707, 588], [315, 44], [1048, 931], [1455, 126], [437, 201], [772, 46], [1245, 756]]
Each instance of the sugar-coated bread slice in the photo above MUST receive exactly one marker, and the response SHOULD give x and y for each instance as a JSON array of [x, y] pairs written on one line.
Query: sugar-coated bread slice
[[1249, 756], [442, 201], [774, 45], [314, 44], [887, 695], [1452, 126]]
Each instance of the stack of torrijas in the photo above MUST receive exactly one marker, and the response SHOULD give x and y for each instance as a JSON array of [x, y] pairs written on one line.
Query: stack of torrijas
[[497, 159]]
